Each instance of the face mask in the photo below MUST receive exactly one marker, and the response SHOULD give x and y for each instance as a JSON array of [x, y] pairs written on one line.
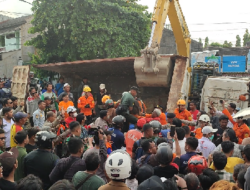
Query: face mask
[[211, 138], [74, 114]]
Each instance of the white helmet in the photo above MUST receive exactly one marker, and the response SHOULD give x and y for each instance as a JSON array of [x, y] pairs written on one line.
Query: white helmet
[[204, 118], [118, 165], [71, 109]]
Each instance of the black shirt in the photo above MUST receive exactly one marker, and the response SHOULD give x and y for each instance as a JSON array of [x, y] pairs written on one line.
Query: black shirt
[[168, 171], [66, 168], [30, 147], [99, 98], [7, 185], [218, 136], [40, 163]]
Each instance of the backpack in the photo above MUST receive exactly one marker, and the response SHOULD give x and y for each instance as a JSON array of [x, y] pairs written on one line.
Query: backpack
[[140, 163], [139, 151]]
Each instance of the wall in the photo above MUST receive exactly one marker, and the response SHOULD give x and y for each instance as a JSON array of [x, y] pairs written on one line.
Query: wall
[[9, 60], [25, 36]]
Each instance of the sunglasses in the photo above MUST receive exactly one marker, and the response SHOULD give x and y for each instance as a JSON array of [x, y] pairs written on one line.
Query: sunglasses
[[3, 138], [34, 93], [10, 103]]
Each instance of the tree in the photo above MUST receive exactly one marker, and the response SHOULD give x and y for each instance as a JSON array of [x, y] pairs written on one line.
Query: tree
[[200, 40], [227, 44], [71, 30], [215, 44], [206, 42], [246, 38], [238, 41]]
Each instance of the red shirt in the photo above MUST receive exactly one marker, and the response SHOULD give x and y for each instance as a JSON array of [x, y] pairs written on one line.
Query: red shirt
[[194, 114], [68, 120]]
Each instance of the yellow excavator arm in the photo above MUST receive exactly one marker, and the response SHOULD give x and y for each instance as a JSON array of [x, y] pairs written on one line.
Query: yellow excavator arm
[[172, 9], [152, 69]]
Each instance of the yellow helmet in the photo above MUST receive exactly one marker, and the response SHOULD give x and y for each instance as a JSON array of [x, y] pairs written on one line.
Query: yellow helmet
[[181, 103], [87, 89], [105, 98]]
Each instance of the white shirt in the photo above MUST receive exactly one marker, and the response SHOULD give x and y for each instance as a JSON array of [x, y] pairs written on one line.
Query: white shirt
[[182, 145], [205, 146], [7, 129]]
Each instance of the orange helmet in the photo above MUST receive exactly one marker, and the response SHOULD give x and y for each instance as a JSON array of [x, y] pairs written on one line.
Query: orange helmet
[[181, 102], [105, 98], [197, 164]]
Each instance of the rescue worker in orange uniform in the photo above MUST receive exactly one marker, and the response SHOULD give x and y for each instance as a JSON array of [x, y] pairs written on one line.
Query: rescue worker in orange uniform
[[241, 129], [163, 118], [181, 112], [86, 104]]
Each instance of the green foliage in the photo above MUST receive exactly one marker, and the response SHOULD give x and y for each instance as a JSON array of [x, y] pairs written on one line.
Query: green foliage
[[227, 44], [206, 42], [238, 41], [246, 37], [215, 44], [71, 30]]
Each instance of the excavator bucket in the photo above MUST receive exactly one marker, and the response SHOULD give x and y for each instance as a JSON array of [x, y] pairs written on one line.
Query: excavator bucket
[[159, 76]]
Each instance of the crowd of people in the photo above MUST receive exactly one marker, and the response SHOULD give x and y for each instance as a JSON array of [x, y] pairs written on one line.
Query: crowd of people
[[50, 142]]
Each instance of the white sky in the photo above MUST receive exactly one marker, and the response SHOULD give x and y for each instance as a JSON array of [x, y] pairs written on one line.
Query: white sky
[[195, 12]]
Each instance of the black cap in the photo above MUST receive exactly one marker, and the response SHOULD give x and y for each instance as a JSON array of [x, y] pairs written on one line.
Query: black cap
[[153, 183], [170, 115], [134, 88]]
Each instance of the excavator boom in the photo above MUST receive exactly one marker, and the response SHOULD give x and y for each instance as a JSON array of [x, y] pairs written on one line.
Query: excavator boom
[[152, 69]]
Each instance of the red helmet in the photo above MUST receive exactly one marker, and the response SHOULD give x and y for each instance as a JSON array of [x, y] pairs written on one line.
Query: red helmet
[[197, 164]]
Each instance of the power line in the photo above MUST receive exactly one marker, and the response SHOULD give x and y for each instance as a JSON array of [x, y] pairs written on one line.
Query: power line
[[219, 23]]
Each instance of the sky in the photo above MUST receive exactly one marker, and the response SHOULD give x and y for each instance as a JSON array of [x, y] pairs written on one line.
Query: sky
[[202, 16]]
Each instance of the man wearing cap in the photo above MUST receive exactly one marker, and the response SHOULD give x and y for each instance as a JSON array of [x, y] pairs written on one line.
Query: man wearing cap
[[127, 103], [205, 143], [133, 135], [20, 120], [38, 115], [181, 112], [86, 104], [99, 96], [59, 86], [9, 163], [241, 129], [66, 90]]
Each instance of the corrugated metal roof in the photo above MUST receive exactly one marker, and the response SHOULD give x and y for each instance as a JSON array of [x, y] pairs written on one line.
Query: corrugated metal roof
[[86, 61], [96, 65], [13, 24]]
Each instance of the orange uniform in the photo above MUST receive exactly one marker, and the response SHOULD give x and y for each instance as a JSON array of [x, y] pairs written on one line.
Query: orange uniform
[[185, 115], [198, 133], [163, 119], [130, 138], [82, 102], [240, 131], [142, 106], [63, 106]]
